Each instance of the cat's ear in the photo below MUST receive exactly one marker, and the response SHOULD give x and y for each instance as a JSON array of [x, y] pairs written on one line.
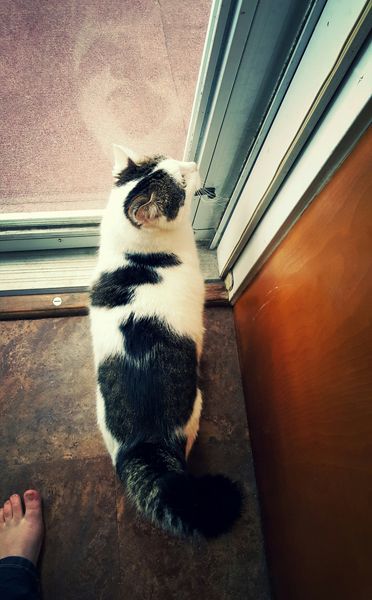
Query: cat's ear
[[123, 157], [145, 210]]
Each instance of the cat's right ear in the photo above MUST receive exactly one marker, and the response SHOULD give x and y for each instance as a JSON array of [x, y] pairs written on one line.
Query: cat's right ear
[[123, 157]]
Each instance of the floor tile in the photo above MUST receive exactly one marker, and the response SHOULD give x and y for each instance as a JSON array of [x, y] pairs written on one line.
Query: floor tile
[[80, 556], [47, 394]]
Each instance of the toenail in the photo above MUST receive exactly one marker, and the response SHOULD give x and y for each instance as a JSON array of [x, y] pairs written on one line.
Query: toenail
[[31, 496]]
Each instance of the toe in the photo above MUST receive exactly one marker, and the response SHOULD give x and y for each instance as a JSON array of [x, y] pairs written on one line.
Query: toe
[[8, 512], [15, 501], [1, 516], [32, 502]]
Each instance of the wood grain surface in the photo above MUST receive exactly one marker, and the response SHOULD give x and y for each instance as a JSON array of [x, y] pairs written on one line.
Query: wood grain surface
[[304, 329]]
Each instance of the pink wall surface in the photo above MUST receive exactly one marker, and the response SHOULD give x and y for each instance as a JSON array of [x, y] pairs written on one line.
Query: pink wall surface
[[77, 76]]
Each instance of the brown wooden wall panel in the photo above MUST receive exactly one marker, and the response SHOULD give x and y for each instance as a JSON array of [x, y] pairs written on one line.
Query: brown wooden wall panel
[[304, 329]]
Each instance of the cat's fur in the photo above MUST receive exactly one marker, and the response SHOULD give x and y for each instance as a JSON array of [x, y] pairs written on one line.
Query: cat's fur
[[147, 326]]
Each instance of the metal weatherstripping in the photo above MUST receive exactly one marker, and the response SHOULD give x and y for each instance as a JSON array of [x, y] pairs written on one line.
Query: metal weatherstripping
[[262, 46], [209, 68], [51, 230], [46, 271], [67, 270], [59, 230]]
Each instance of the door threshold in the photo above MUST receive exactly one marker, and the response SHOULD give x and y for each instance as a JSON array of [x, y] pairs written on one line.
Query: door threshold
[[49, 283]]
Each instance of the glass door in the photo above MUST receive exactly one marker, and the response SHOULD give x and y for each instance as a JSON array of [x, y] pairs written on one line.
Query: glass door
[[77, 77]]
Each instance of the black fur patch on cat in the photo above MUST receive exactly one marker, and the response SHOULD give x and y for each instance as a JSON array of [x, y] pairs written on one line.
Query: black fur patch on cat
[[155, 476], [137, 171], [149, 394], [169, 195], [150, 390], [153, 259], [158, 456], [117, 288]]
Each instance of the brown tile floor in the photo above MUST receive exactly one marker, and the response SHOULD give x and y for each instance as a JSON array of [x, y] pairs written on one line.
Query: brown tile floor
[[96, 546]]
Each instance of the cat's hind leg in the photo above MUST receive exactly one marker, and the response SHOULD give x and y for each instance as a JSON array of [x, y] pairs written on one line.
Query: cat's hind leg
[[192, 426], [111, 443]]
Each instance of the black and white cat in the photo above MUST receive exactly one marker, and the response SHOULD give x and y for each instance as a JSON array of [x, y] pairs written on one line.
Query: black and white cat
[[147, 327]]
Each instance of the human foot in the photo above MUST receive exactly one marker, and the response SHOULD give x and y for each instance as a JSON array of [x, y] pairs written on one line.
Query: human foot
[[21, 534]]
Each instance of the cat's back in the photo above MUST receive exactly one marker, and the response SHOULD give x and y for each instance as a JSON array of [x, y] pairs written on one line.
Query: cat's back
[[162, 287]]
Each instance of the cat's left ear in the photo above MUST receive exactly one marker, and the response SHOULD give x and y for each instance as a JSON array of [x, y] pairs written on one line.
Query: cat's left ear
[[123, 157]]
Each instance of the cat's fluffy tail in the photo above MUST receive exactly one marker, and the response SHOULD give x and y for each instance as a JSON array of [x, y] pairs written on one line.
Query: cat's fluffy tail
[[155, 479]]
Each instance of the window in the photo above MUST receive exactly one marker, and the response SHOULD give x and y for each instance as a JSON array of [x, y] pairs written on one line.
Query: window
[[78, 76], [269, 74]]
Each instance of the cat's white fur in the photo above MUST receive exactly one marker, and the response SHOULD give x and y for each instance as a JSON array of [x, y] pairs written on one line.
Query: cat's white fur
[[178, 299]]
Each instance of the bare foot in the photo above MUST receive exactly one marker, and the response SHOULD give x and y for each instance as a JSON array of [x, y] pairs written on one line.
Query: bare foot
[[21, 534]]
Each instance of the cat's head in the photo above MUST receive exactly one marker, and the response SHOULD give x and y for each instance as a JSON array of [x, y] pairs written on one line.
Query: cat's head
[[153, 192]]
